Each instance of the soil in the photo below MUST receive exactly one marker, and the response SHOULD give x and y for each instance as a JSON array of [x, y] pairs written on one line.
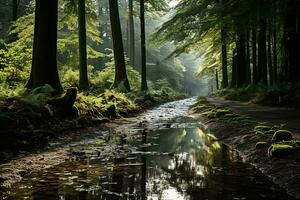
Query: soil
[[282, 171]]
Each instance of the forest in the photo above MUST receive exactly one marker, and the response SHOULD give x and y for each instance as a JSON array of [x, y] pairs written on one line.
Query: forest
[[149, 99]]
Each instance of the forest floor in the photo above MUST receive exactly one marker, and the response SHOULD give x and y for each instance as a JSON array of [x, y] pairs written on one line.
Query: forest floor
[[249, 129], [27, 128], [274, 115]]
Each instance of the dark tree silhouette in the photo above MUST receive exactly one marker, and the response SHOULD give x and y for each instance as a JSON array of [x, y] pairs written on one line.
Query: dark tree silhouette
[[84, 83], [144, 85], [44, 64], [120, 67]]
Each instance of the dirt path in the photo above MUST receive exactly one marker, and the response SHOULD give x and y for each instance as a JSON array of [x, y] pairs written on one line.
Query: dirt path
[[273, 115]]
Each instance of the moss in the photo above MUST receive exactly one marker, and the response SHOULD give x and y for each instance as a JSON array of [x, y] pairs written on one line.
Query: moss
[[209, 114], [280, 150], [230, 115], [261, 145], [263, 128], [221, 112], [259, 132], [282, 135]]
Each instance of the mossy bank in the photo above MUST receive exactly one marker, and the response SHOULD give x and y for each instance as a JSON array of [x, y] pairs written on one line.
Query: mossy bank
[[269, 147]]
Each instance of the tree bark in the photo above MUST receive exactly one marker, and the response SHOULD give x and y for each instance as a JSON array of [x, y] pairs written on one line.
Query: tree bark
[[83, 81], [15, 5], [131, 43], [292, 40], [120, 66], [144, 85], [44, 63], [217, 80], [241, 59], [224, 59], [234, 70], [248, 68], [275, 51], [254, 58], [270, 59], [262, 52]]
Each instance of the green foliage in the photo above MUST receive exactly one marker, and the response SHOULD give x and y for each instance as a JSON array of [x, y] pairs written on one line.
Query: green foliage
[[280, 150], [39, 96], [99, 106]]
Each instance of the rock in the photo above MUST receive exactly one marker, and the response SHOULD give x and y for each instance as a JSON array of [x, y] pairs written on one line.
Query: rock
[[111, 111], [261, 145], [282, 135], [280, 150]]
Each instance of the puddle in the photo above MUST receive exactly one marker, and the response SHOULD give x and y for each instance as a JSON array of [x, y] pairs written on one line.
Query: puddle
[[170, 159]]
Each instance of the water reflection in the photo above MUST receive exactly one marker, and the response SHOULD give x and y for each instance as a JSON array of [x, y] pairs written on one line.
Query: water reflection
[[179, 164]]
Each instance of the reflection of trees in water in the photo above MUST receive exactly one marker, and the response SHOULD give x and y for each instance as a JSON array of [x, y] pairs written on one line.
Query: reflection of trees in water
[[190, 169]]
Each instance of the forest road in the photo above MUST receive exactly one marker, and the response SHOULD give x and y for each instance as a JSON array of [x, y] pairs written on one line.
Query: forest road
[[273, 115]]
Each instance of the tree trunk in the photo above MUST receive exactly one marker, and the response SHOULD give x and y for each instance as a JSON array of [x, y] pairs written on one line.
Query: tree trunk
[[292, 40], [241, 59], [15, 5], [275, 52], [270, 60], [234, 70], [120, 67], [131, 43], [262, 53], [217, 80], [44, 63], [83, 81], [144, 85], [248, 68], [224, 59], [254, 58]]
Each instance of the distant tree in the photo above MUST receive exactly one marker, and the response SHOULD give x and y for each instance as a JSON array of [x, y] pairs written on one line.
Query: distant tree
[[83, 82], [44, 63], [120, 66]]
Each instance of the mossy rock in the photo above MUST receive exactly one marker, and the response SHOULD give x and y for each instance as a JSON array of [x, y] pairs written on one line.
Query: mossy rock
[[280, 150], [230, 115], [210, 114], [222, 112], [263, 128], [282, 135], [261, 145], [259, 132]]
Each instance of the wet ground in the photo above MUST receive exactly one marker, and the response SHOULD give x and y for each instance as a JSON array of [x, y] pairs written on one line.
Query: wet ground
[[274, 115], [165, 155]]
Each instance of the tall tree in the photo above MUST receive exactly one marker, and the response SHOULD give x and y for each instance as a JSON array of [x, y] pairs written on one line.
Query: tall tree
[[292, 39], [254, 57], [144, 85], [44, 63], [15, 5], [262, 47], [131, 42], [83, 82], [120, 66], [224, 59]]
